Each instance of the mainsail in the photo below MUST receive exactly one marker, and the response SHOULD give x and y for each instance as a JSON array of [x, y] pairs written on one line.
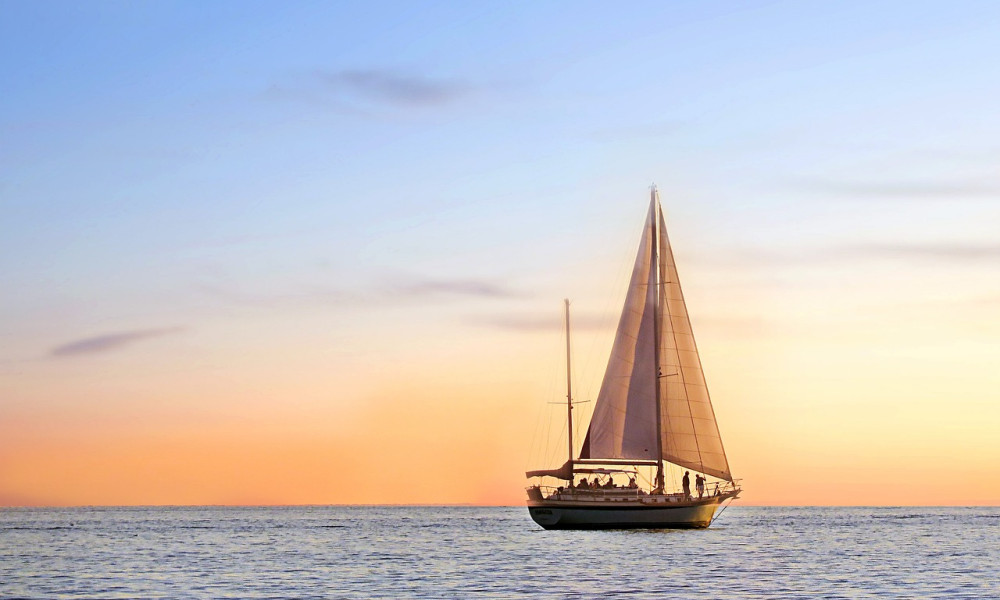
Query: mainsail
[[625, 421]]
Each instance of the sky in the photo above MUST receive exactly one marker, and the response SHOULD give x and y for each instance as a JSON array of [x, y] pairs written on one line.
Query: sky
[[315, 253]]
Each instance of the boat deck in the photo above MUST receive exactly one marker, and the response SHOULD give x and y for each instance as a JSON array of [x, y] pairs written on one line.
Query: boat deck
[[623, 497]]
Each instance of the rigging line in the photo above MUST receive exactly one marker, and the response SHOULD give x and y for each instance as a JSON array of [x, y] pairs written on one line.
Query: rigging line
[[536, 451], [535, 444], [539, 449], [676, 280], [694, 343], [547, 452], [722, 510]]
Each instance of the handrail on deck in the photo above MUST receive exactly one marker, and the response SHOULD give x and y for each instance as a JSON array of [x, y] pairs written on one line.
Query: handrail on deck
[[718, 488]]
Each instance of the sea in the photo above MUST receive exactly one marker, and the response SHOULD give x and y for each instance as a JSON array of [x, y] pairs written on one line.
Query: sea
[[368, 552]]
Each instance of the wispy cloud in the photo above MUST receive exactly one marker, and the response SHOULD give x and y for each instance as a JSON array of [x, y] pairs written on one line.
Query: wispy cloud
[[450, 287], [993, 300], [108, 342], [904, 190], [541, 323], [395, 87], [535, 323], [389, 291], [953, 252], [302, 295]]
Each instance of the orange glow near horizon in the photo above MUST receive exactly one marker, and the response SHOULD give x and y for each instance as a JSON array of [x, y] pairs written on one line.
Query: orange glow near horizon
[[435, 442], [859, 397]]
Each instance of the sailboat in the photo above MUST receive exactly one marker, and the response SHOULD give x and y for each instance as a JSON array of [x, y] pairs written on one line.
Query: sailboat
[[653, 410]]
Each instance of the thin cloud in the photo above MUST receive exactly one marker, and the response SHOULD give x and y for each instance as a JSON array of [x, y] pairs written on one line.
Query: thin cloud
[[390, 292], [395, 87], [904, 190], [990, 301], [731, 325], [954, 252], [538, 323], [452, 287], [108, 342], [735, 325], [305, 295]]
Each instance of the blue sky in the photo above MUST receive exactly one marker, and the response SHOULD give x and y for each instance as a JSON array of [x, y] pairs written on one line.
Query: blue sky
[[191, 186], [160, 157]]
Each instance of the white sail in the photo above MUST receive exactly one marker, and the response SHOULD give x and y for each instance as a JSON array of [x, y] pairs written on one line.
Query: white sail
[[624, 424], [624, 420], [690, 432]]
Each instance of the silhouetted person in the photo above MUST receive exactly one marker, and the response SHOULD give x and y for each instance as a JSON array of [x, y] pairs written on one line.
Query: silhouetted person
[[583, 483], [686, 482], [699, 484], [631, 483]]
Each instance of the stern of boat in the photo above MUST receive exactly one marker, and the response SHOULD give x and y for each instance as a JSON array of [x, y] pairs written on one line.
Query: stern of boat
[[535, 493]]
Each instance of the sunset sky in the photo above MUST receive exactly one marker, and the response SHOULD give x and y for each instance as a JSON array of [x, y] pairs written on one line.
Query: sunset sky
[[285, 253]]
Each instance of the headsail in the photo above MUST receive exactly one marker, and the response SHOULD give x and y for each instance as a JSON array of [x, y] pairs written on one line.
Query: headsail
[[624, 422], [690, 432]]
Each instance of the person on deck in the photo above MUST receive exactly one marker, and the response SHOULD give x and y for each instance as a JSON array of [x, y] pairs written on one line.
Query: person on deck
[[686, 483], [699, 484], [583, 483], [631, 483]]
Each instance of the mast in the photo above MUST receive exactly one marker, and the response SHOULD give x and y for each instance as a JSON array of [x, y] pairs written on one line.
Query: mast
[[569, 396], [655, 264]]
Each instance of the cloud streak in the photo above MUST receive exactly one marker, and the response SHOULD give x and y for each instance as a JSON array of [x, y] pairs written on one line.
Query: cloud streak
[[537, 323], [743, 325], [388, 292], [395, 87], [904, 190], [108, 342], [451, 287], [954, 252]]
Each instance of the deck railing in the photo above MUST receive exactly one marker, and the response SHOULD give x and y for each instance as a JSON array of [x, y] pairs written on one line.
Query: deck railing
[[720, 488]]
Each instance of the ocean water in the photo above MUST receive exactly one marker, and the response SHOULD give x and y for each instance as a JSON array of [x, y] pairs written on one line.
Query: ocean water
[[472, 552]]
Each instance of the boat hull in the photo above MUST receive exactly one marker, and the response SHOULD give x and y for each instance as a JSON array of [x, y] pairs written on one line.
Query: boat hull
[[598, 515]]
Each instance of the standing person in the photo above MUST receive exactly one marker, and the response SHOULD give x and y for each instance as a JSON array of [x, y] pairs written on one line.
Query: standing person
[[686, 482], [699, 484]]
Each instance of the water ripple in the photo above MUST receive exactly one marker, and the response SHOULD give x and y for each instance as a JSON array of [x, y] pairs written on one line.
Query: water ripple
[[468, 552]]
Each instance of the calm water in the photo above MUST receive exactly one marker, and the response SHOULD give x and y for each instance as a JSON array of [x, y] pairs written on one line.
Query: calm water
[[428, 552]]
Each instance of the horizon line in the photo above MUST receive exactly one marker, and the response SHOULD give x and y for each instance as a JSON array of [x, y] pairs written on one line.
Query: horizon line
[[462, 505]]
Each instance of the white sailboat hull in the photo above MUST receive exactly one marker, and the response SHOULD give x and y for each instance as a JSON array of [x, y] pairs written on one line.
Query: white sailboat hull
[[620, 515]]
